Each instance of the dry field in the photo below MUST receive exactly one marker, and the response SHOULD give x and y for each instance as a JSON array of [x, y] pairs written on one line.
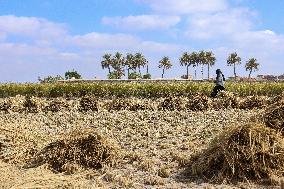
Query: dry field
[[139, 143]]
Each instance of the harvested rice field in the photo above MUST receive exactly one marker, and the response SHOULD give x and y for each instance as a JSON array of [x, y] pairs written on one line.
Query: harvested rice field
[[90, 142]]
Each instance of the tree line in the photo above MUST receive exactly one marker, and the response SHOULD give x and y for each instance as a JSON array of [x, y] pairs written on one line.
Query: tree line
[[117, 64], [130, 65]]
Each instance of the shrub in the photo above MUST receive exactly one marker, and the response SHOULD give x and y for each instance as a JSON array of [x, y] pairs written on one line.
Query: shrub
[[72, 74], [147, 76], [50, 79], [134, 75]]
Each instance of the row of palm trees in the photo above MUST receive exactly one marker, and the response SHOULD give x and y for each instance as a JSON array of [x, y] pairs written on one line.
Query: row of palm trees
[[117, 64]]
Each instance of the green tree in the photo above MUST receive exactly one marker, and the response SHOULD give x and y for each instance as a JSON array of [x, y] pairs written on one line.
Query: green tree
[[118, 64], [72, 74], [106, 62], [234, 60], [185, 61], [140, 61], [130, 63], [252, 65], [194, 59], [165, 64], [202, 61], [210, 61]]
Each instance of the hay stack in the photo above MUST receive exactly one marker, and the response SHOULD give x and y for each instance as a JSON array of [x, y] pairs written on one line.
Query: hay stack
[[199, 102], [31, 104], [252, 102], [56, 105], [88, 103], [225, 100], [84, 148], [172, 103], [118, 104], [274, 117], [14, 104], [252, 152]]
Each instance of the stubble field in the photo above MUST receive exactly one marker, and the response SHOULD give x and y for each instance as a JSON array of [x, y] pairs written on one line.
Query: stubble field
[[143, 143]]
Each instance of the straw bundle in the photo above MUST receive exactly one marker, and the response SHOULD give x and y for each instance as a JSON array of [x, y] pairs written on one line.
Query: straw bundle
[[250, 152], [274, 117], [171, 103], [84, 148], [199, 102], [225, 100], [56, 105], [252, 102], [88, 103]]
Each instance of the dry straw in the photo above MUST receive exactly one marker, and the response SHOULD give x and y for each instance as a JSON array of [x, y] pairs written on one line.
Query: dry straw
[[274, 117], [251, 152], [81, 148]]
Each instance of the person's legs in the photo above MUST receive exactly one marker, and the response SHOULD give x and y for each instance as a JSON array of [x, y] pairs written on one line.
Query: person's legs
[[214, 92]]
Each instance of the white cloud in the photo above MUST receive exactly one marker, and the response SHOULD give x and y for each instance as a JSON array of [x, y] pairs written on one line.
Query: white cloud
[[116, 42], [186, 6], [31, 27], [221, 24], [142, 22], [102, 40], [261, 42]]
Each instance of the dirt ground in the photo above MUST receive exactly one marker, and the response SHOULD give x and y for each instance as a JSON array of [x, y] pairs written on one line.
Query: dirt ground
[[155, 147]]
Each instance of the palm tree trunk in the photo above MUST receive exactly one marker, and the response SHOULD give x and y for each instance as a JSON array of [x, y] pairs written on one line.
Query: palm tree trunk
[[235, 72], [127, 73], [147, 69], [202, 72], [187, 71], [195, 73], [139, 70], [108, 69], [250, 73], [163, 73], [208, 72]]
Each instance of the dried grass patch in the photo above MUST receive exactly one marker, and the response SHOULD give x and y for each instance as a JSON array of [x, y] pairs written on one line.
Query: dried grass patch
[[274, 117], [199, 102], [86, 149], [251, 152]]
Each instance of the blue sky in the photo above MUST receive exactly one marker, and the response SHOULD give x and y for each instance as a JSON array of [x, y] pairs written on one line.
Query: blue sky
[[49, 37]]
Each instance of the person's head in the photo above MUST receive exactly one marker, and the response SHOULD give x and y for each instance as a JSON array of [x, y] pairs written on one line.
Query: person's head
[[218, 71]]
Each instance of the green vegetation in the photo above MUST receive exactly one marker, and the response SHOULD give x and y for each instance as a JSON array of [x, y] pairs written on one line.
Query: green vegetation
[[50, 79], [165, 64], [234, 60], [144, 90], [72, 74], [252, 65]]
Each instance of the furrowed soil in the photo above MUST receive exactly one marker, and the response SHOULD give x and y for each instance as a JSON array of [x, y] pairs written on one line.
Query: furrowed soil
[[154, 146]]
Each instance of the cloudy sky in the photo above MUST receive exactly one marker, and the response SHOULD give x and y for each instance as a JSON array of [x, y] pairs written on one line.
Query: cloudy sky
[[49, 37]]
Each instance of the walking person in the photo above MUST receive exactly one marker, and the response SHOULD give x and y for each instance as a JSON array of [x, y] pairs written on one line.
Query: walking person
[[219, 83]]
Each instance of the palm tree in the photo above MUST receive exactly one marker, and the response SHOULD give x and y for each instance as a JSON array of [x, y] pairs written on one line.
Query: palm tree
[[118, 63], [130, 63], [251, 66], [107, 62], [165, 63], [234, 60], [140, 61], [202, 60], [194, 61], [210, 61], [185, 61]]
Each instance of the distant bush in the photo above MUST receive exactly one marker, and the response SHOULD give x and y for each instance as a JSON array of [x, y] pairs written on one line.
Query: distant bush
[[134, 75], [72, 74], [113, 75], [50, 79], [147, 76]]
